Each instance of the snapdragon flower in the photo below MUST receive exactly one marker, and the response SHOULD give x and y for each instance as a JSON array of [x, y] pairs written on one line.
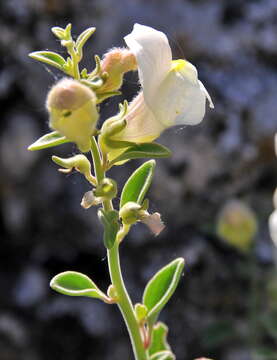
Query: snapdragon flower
[[171, 93]]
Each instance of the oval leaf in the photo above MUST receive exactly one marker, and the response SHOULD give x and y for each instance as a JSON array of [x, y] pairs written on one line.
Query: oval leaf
[[138, 184], [50, 58], [159, 339], [161, 287], [49, 140], [73, 283], [163, 355], [146, 150]]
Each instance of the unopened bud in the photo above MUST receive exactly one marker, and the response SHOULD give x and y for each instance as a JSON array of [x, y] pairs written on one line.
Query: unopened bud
[[141, 312], [73, 111], [116, 63], [237, 225], [78, 162]]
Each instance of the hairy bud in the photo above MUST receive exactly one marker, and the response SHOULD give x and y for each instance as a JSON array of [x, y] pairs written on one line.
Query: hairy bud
[[116, 63], [73, 112]]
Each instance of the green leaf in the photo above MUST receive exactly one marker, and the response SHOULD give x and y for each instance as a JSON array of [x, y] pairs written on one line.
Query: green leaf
[[73, 283], [159, 341], [163, 355], [83, 38], [50, 58], [109, 220], [161, 287], [49, 140], [146, 150], [138, 183]]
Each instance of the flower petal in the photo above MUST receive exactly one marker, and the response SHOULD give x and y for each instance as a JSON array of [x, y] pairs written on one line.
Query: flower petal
[[142, 125], [153, 56], [154, 223], [181, 98], [273, 226]]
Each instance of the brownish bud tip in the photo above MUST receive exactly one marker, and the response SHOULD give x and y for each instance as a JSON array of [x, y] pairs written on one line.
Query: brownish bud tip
[[68, 94]]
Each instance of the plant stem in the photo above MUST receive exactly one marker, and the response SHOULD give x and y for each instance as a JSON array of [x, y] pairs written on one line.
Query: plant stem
[[124, 302]]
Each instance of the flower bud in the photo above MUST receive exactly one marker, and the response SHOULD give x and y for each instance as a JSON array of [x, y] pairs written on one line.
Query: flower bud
[[79, 162], [116, 63], [237, 225], [73, 112]]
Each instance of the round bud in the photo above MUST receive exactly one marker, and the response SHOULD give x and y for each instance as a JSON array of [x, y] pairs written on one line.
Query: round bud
[[73, 111], [237, 225], [130, 213]]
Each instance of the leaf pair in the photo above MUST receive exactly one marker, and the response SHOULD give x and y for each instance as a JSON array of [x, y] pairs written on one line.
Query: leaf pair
[[146, 150]]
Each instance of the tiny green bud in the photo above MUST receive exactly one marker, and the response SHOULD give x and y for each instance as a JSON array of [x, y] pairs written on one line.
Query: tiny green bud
[[73, 111], [130, 213], [237, 225], [141, 312], [79, 162], [106, 189], [112, 293]]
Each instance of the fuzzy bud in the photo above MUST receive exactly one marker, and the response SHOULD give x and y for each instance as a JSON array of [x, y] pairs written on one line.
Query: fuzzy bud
[[116, 63], [73, 112], [237, 225]]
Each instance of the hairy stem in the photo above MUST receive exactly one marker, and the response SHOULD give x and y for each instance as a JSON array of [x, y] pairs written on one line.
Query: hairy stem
[[124, 302]]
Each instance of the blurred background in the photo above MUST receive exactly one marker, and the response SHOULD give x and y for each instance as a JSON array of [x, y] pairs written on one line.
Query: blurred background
[[226, 305]]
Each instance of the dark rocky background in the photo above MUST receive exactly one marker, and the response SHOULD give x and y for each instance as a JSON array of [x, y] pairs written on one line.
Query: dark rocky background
[[225, 307]]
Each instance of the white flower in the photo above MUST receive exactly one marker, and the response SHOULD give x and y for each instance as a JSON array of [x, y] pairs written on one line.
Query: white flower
[[273, 226], [171, 92]]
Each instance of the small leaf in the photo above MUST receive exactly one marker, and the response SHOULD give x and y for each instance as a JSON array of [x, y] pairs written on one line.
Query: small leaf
[[82, 38], [146, 150], [141, 312], [58, 32], [161, 287], [73, 283], [50, 58], [163, 355], [159, 341], [109, 220], [138, 183], [49, 140]]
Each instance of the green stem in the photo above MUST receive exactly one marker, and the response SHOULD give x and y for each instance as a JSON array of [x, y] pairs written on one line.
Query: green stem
[[125, 305], [124, 302]]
